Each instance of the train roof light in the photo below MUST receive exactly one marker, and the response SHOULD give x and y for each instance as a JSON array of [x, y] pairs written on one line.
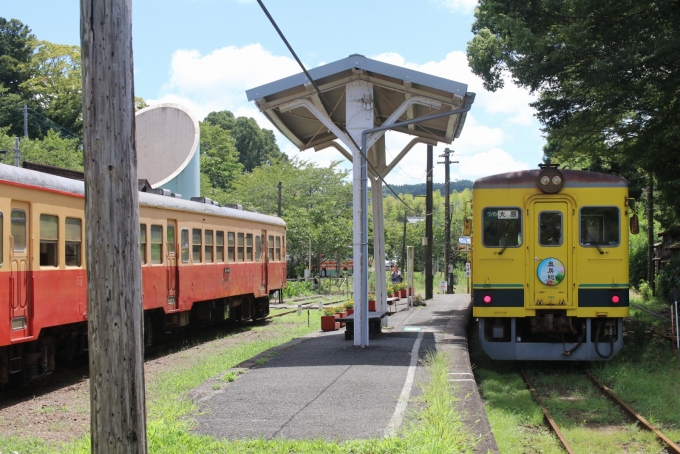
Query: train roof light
[[550, 179]]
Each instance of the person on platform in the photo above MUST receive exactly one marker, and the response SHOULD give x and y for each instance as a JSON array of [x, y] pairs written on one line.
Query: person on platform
[[395, 277]]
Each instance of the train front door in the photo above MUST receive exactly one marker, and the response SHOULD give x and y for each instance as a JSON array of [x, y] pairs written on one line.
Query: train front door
[[20, 310], [550, 248], [264, 261], [172, 269]]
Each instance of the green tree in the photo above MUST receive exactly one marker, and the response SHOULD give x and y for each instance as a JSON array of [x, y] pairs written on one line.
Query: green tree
[[316, 205], [55, 84], [605, 72], [219, 160], [16, 48], [255, 146], [53, 150]]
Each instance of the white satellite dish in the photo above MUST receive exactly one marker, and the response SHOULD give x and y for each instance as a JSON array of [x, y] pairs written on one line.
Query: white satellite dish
[[167, 143]]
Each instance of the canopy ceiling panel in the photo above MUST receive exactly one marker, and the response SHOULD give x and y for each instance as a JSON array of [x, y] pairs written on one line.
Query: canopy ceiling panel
[[392, 86]]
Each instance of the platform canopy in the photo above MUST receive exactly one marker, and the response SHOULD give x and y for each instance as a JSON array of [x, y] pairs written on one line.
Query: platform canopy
[[392, 86]]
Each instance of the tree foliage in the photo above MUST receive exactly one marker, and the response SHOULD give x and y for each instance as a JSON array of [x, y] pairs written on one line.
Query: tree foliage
[[52, 150], [219, 158], [255, 146], [605, 72]]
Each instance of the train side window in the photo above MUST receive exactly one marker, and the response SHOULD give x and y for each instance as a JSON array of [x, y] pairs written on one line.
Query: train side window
[[258, 249], [19, 230], [49, 240], [600, 226], [185, 245], [239, 247], [2, 238], [74, 241], [156, 244], [196, 245], [231, 251], [283, 246], [219, 247], [278, 248], [142, 242], [501, 227], [550, 228], [271, 247], [170, 239], [249, 247], [208, 246]]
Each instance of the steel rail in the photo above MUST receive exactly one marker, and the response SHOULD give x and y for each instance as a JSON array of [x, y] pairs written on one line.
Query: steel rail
[[546, 413], [628, 409], [652, 313]]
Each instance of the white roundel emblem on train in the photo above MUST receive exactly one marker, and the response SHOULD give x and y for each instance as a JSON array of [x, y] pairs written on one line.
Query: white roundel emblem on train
[[550, 271]]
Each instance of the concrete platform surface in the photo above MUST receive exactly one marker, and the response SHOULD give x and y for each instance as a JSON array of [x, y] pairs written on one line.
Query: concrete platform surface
[[321, 386]]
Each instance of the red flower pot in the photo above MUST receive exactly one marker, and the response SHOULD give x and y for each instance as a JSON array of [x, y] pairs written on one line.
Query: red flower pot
[[328, 323], [341, 315], [349, 311], [371, 305], [403, 293]]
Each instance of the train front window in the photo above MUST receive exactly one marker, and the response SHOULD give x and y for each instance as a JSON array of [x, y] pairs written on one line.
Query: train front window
[[19, 230], [599, 226], [258, 250], [231, 248], [196, 245], [49, 239], [74, 241], [208, 246], [185, 245], [239, 247], [156, 244], [171, 239], [278, 248], [550, 228], [271, 247], [142, 242], [502, 227]]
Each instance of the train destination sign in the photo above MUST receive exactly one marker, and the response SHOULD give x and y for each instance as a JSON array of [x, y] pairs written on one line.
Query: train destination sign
[[502, 214]]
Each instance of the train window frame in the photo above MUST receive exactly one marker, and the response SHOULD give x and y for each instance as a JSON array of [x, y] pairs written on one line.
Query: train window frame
[[249, 247], [208, 248], [219, 246], [142, 243], [271, 247], [196, 245], [73, 244], [170, 240], [184, 245], [581, 218], [258, 248], [278, 248], [49, 241], [546, 233], [240, 247], [2, 238], [508, 244], [18, 224], [155, 245], [231, 247]]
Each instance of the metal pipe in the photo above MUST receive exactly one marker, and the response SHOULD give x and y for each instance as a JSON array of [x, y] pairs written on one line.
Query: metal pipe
[[428, 224], [17, 153]]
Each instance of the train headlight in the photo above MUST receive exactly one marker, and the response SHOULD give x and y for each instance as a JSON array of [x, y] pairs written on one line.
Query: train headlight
[[550, 179], [487, 299], [616, 299]]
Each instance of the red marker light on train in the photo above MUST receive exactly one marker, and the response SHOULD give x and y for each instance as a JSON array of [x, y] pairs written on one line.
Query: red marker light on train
[[487, 299], [616, 299]]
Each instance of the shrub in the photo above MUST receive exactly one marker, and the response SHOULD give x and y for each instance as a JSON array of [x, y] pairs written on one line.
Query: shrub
[[669, 279]]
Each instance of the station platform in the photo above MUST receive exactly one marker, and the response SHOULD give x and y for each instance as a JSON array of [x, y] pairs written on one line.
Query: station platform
[[321, 386]]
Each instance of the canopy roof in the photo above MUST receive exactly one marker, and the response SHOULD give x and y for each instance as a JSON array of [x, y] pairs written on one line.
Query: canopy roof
[[392, 85]]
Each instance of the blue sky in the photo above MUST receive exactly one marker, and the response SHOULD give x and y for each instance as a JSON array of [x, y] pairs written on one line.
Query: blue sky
[[205, 53]]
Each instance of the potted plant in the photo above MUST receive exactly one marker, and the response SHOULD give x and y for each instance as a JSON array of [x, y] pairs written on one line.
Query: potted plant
[[371, 302], [340, 313], [349, 306], [402, 289], [390, 292], [328, 322]]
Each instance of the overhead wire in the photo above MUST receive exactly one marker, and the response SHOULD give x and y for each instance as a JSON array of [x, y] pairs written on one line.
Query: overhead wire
[[331, 112]]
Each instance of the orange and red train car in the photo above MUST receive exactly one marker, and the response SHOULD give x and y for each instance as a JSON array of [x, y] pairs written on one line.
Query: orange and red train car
[[201, 264]]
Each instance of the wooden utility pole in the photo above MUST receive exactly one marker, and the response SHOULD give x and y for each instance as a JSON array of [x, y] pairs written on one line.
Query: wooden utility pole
[[650, 234], [428, 224], [115, 315]]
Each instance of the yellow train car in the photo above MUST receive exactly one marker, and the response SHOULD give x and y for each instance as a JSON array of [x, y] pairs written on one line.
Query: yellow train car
[[550, 264]]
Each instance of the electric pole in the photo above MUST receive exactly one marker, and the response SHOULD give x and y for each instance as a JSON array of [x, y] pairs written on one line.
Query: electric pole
[[112, 230], [447, 221], [279, 186], [25, 121], [428, 225]]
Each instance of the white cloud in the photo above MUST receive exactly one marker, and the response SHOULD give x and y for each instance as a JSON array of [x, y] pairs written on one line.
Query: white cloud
[[462, 6]]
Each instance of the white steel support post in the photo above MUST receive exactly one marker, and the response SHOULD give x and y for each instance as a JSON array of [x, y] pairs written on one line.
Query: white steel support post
[[359, 114], [379, 246]]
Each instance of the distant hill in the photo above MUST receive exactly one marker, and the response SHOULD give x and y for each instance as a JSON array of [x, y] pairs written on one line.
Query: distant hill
[[419, 189]]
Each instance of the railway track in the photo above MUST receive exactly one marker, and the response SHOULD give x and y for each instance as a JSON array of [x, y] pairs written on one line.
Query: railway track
[[671, 446]]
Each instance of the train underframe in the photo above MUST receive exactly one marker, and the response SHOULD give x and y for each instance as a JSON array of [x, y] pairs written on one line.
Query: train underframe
[[23, 362], [552, 336]]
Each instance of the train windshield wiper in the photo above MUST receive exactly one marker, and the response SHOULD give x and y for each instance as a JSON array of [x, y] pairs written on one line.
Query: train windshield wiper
[[590, 238]]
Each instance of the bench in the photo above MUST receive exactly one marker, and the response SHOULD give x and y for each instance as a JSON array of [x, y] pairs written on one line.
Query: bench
[[374, 325]]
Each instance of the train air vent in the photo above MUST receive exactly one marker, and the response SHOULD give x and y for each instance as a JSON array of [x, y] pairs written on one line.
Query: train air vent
[[202, 200], [177, 196], [235, 206], [159, 191]]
